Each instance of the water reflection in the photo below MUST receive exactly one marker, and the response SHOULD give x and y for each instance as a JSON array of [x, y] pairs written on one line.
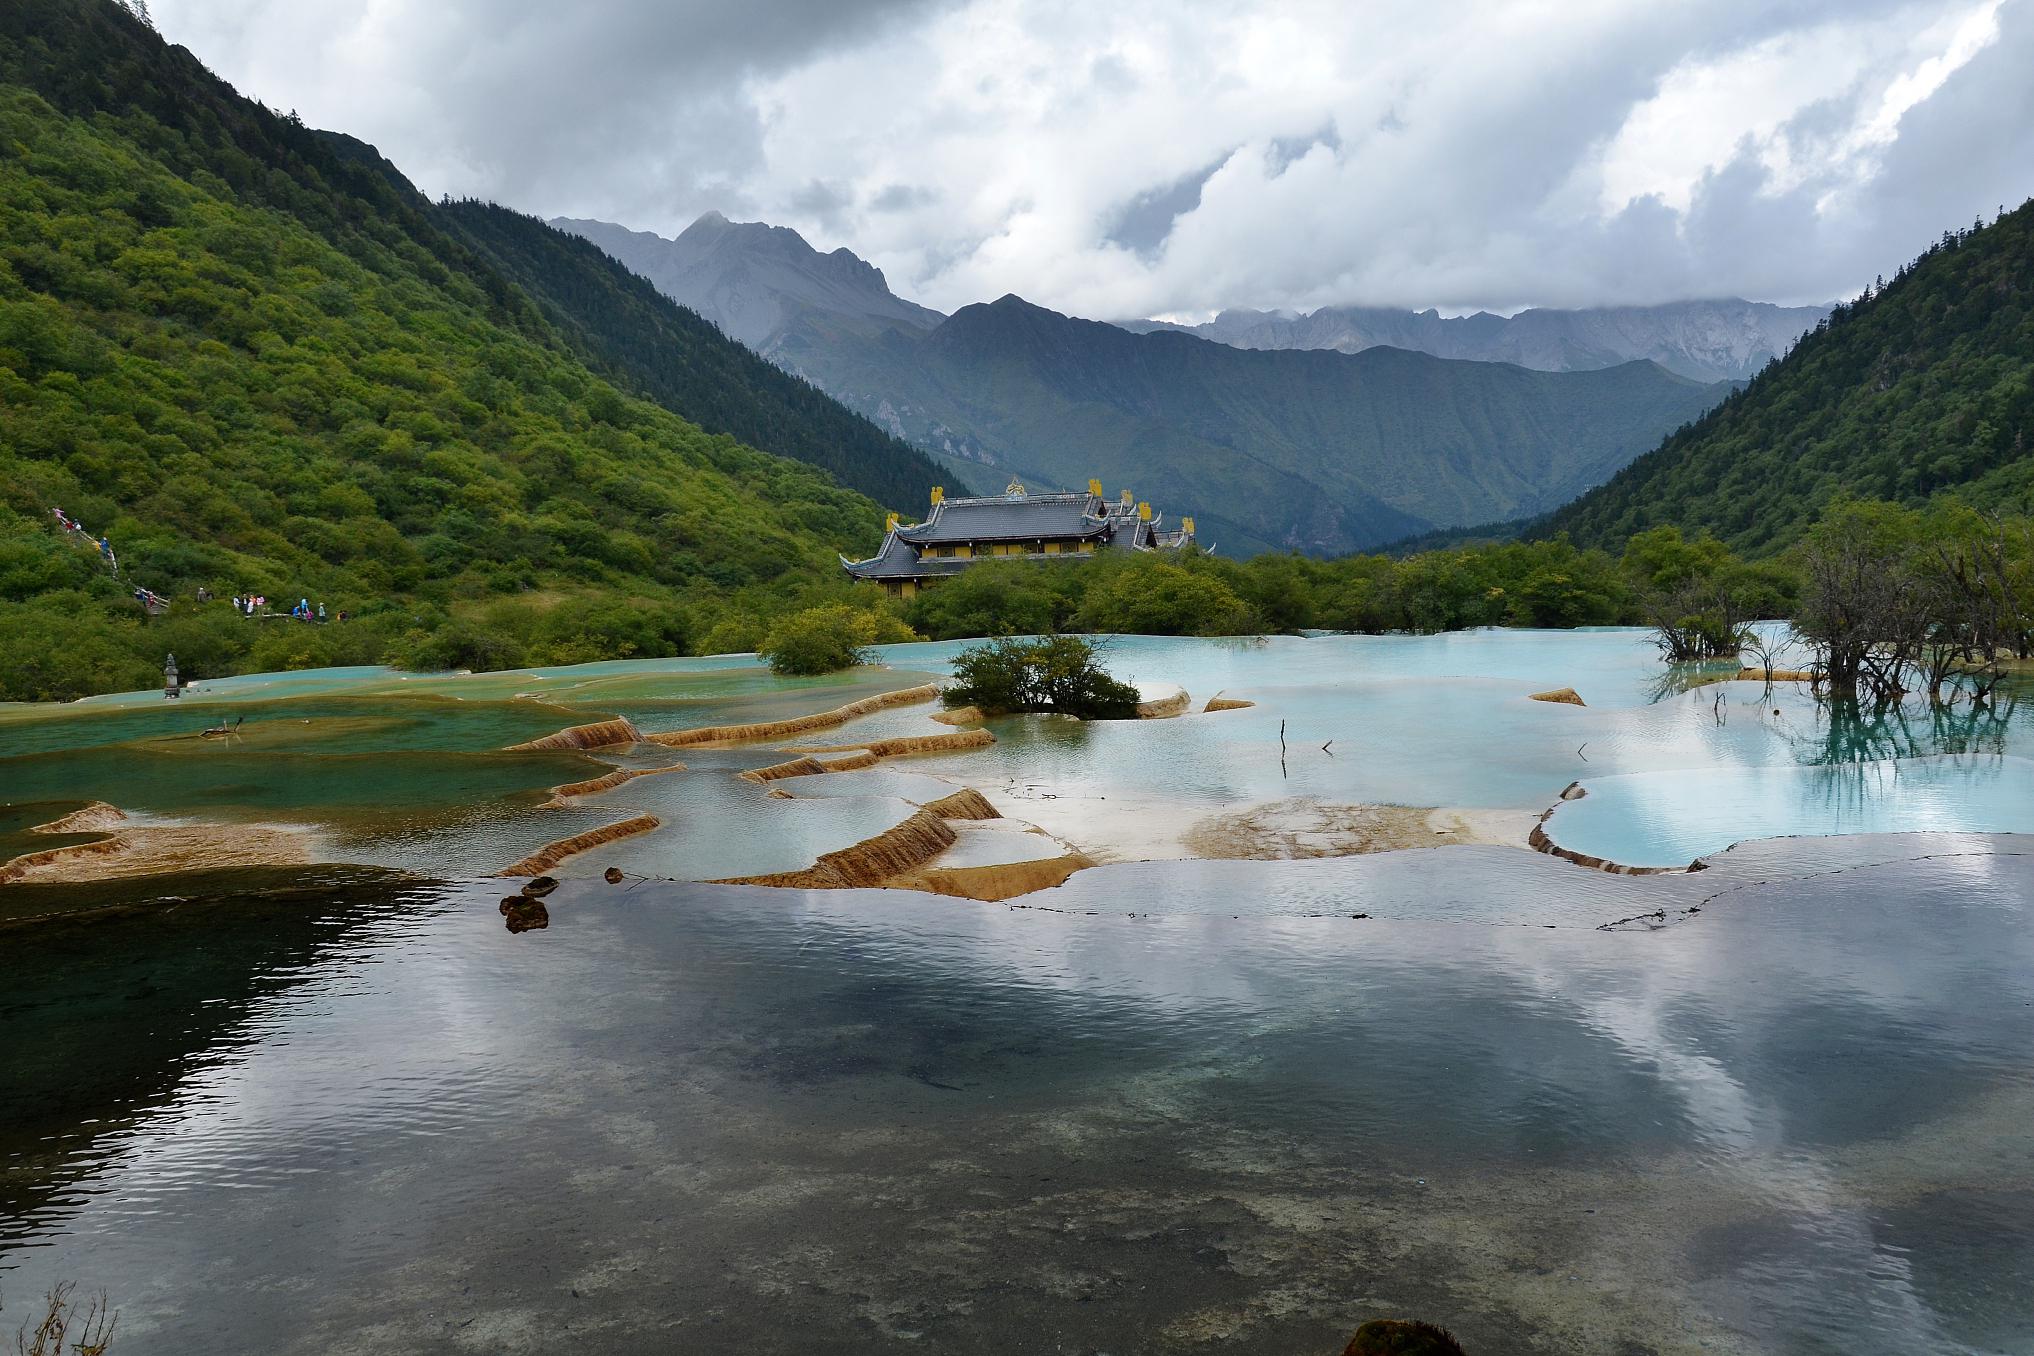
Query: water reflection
[[746, 1120]]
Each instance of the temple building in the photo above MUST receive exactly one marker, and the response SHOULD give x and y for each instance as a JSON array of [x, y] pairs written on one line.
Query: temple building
[[959, 532]]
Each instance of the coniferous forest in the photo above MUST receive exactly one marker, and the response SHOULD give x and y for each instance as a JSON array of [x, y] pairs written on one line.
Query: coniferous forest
[[1923, 386]]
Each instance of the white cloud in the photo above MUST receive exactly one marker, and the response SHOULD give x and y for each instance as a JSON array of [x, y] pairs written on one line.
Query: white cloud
[[1453, 154]]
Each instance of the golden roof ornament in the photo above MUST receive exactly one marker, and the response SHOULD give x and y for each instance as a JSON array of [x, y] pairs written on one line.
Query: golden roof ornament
[[1014, 490]]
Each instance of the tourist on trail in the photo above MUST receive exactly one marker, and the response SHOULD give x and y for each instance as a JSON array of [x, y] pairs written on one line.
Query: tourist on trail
[[321, 612]]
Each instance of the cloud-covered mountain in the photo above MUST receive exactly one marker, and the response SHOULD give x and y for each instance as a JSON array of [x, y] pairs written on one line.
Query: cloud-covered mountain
[[1314, 450], [1724, 340]]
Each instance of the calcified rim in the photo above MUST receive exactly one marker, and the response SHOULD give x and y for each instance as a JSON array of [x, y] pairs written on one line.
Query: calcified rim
[[1540, 842]]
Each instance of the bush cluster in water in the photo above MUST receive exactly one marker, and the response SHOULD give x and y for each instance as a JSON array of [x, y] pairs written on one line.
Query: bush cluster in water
[[1058, 674]]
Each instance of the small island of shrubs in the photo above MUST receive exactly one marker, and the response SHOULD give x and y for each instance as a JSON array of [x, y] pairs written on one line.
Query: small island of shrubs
[[1059, 675]]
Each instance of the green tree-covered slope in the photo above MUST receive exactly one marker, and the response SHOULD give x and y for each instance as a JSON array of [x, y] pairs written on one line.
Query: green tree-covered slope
[[639, 337], [1921, 388], [89, 58], [258, 367]]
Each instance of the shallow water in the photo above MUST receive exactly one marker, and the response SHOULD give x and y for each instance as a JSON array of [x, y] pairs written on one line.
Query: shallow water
[[358, 1115], [1670, 819], [410, 771]]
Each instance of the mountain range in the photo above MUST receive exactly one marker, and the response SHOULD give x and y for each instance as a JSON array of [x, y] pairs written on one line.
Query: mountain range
[[1725, 340], [1312, 450]]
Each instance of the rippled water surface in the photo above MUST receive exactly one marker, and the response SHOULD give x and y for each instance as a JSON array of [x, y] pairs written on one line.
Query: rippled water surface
[[329, 1113]]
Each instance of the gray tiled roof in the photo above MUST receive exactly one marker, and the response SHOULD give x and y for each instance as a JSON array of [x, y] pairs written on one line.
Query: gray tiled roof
[[1110, 526], [1007, 519]]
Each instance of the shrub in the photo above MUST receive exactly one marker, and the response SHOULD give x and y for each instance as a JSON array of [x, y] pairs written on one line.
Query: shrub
[[459, 645], [1151, 597], [1057, 674], [996, 598], [577, 632], [731, 635], [820, 640]]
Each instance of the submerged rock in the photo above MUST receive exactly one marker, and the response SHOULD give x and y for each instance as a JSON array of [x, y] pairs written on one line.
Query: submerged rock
[[1567, 696], [523, 914], [1402, 1337]]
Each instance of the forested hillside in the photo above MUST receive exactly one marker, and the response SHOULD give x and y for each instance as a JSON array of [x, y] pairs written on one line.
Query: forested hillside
[[637, 336], [1922, 387], [258, 364]]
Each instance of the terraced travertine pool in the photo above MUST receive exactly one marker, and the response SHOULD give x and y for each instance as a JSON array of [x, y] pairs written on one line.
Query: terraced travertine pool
[[1778, 1105], [406, 771]]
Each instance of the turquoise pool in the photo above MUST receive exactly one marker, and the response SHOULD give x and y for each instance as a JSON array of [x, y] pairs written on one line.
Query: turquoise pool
[[410, 770]]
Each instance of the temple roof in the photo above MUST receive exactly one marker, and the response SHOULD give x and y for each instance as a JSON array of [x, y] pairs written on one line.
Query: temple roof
[[1016, 517]]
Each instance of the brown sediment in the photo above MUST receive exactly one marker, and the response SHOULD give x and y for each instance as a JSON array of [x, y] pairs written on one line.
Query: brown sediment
[[97, 817], [595, 785], [597, 735], [548, 856], [870, 862], [776, 772], [1751, 675], [1567, 696], [1303, 827], [991, 883], [891, 748], [781, 729], [1220, 703], [158, 850], [960, 715], [966, 803], [811, 767], [1164, 708]]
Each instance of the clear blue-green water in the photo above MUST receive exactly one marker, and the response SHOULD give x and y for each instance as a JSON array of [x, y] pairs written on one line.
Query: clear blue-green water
[[1777, 1106], [408, 770], [350, 1114], [1671, 818]]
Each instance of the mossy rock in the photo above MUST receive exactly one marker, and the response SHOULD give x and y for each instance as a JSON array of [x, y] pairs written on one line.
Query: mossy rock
[[1401, 1337]]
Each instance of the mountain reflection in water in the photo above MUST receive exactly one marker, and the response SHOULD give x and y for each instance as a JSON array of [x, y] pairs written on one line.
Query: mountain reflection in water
[[689, 1118]]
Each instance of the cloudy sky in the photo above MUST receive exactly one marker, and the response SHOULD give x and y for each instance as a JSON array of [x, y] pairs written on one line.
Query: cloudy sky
[[1160, 157]]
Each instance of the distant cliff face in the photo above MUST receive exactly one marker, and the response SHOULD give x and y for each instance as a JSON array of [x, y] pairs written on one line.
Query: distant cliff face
[[761, 284], [1707, 340]]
